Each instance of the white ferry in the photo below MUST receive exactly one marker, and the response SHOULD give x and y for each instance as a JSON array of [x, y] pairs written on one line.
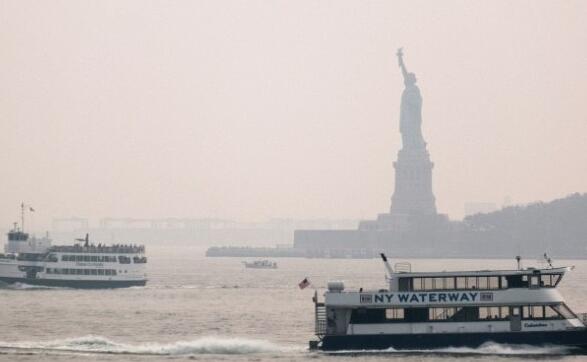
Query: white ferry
[[449, 309], [260, 264], [33, 261]]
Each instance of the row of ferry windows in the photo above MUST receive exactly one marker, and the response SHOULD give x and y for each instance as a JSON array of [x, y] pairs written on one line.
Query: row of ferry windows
[[459, 314], [483, 282], [67, 271], [104, 259]]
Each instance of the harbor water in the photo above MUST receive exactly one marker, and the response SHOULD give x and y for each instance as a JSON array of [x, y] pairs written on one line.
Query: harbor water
[[198, 308]]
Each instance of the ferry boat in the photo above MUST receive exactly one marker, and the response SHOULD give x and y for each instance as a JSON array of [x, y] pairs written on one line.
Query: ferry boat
[[34, 261], [431, 310], [260, 264]]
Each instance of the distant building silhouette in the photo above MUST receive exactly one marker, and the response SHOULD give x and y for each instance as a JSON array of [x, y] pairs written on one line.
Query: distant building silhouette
[[472, 208]]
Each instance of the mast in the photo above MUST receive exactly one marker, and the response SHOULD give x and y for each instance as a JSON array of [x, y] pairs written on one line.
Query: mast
[[22, 216]]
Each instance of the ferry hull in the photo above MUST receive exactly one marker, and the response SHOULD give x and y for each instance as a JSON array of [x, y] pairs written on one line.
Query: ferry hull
[[576, 340], [77, 284]]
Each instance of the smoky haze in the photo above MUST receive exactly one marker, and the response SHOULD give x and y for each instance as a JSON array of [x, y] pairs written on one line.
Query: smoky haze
[[259, 109]]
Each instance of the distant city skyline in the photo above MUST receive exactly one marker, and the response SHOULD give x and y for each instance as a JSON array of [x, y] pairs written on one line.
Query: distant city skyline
[[235, 110]]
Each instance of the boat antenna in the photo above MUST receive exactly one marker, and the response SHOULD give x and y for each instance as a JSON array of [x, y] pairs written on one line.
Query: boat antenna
[[86, 240], [548, 260], [22, 209], [22, 216], [518, 259], [387, 266]]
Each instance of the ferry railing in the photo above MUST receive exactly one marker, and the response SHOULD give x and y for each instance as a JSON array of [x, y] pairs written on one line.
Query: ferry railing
[[403, 267], [98, 249]]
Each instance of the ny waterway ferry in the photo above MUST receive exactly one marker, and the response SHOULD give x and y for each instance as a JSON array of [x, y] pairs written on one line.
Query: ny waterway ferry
[[34, 261], [449, 309]]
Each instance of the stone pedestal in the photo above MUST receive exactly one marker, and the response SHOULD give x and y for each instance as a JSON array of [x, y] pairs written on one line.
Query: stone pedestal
[[413, 184]]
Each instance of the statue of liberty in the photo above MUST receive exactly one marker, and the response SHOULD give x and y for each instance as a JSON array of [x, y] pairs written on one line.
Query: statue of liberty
[[410, 122]]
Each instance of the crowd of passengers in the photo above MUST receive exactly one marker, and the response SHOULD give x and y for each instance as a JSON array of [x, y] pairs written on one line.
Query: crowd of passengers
[[101, 248]]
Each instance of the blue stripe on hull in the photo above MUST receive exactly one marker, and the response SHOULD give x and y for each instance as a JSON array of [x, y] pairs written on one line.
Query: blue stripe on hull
[[78, 284], [575, 338]]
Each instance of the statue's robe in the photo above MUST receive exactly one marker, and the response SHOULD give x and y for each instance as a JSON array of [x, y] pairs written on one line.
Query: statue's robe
[[410, 124]]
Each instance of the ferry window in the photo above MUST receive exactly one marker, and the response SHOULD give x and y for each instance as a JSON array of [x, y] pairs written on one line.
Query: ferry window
[[516, 311], [79, 258], [466, 314], [64, 257], [416, 314], [537, 312], [113, 272], [556, 278], [439, 314], [484, 313], [100, 271], [517, 281], [504, 312], [87, 258], [526, 312], [564, 311], [404, 284], [142, 260], [48, 270], [363, 315], [449, 283], [86, 271], [428, 284], [94, 258], [545, 281], [472, 283], [482, 283], [534, 281], [394, 313], [504, 283], [417, 284], [438, 283], [550, 313], [490, 313], [124, 259], [461, 284], [94, 272]]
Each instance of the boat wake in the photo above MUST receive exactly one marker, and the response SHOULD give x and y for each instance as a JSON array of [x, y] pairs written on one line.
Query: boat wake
[[97, 344], [23, 286], [489, 348]]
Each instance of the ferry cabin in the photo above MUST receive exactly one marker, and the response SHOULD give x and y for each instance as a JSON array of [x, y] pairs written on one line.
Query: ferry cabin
[[430, 310]]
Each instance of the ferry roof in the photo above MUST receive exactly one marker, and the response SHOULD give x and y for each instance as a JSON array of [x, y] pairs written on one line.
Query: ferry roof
[[527, 271]]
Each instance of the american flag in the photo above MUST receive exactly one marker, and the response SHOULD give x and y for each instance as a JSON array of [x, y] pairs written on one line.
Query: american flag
[[304, 283]]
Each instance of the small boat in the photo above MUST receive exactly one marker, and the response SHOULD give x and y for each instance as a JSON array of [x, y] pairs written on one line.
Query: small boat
[[260, 264], [434, 310]]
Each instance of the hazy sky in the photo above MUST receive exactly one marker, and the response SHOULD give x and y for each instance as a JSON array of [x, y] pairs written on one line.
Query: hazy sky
[[258, 109]]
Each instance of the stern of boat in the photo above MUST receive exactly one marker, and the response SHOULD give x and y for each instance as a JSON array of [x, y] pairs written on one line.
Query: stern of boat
[[319, 322]]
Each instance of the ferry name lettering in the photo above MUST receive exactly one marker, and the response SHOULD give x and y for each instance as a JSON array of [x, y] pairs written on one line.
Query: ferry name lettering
[[414, 298], [89, 264]]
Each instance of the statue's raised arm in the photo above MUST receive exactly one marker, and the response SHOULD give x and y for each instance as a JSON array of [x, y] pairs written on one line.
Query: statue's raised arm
[[400, 58]]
